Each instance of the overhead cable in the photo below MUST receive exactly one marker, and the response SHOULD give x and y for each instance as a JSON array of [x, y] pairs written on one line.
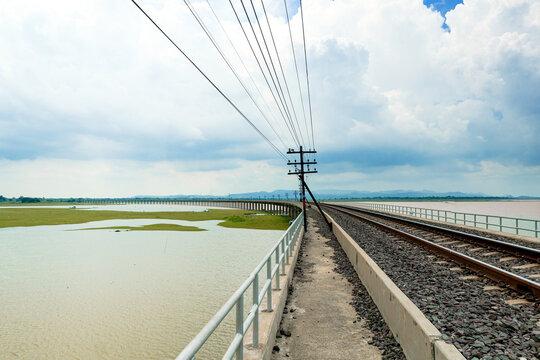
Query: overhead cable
[[275, 71], [281, 68], [295, 138], [224, 57], [296, 68], [231, 43], [278, 86], [307, 73], [211, 82]]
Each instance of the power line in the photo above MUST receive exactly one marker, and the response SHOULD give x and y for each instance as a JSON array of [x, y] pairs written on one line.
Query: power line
[[307, 73], [210, 81], [278, 86], [296, 68], [281, 68], [295, 139], [273, 67], [224, 57], [243, 64]]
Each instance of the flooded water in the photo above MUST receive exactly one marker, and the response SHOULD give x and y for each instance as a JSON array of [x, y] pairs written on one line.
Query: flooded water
[[101, 294]]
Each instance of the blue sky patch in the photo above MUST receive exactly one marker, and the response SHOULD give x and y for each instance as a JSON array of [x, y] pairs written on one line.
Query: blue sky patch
[[443, 6]]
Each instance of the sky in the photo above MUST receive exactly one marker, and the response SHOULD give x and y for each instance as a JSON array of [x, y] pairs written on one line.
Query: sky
[[406, 94]]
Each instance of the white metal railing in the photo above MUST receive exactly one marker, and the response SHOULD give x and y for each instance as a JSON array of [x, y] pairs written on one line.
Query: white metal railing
[[281, 252], [520, 226]]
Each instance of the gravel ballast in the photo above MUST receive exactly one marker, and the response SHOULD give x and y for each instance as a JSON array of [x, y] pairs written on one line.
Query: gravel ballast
[[478, 322]]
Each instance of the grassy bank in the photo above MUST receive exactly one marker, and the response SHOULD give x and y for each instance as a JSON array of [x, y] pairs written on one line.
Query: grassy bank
[[15, 216]]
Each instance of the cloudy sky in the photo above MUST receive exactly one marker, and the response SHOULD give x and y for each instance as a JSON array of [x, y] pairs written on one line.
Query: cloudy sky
[[94, 101]]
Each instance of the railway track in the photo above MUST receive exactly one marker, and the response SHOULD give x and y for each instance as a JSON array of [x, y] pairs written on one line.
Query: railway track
[[481, 318], [515, 265]]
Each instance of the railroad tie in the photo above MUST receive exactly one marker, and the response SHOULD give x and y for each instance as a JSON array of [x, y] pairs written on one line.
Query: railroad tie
[[517, 301], [510, 258], [492, 288], [450, 243], [526, 266]]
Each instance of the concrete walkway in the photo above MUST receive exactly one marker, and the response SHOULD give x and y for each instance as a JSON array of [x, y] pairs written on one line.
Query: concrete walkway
[[319, 322]]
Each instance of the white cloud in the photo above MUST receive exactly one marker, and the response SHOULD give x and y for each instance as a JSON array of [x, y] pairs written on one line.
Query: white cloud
[[118, 178], [391, 89]]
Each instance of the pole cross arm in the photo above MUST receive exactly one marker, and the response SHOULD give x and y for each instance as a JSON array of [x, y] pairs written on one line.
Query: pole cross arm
[[305, 172], [299, 163], [303, 151]]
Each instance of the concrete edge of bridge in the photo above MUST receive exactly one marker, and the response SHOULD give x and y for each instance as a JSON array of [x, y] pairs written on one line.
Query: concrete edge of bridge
[[269, 321], [418, 337]]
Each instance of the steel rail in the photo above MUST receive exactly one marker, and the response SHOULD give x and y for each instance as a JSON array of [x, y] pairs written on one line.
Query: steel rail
[[515, 249], [514, 281]]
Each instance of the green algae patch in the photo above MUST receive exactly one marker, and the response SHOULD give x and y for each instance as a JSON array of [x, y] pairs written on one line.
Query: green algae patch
[[152, 227], [250, 221], [234, 218]]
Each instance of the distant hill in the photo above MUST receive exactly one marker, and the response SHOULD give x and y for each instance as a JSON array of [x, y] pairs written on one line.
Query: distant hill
[[341, 194]]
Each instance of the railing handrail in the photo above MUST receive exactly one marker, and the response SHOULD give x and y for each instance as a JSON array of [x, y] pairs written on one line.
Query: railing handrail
[[199, 340], [459, 212], [440, 214]]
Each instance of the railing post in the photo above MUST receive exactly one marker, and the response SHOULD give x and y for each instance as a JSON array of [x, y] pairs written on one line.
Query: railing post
[[277, 270], [536, 228], [283, 252], [290, 239], [256, 318], [517, 227], [474, 217], [500, 224], [287, 244], [240, 326], [269, 291]]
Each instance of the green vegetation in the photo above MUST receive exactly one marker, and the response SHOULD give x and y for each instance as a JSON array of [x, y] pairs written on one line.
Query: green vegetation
[[16, 216], [246, 221], [152, 227]]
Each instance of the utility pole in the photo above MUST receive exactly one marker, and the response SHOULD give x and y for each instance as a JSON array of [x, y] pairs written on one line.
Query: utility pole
[[301, 172]]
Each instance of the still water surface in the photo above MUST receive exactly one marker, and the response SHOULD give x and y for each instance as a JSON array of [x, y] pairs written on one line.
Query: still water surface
[[102, 294]]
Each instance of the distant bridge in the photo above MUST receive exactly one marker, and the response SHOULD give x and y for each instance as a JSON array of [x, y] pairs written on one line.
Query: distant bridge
[[291, 208]]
